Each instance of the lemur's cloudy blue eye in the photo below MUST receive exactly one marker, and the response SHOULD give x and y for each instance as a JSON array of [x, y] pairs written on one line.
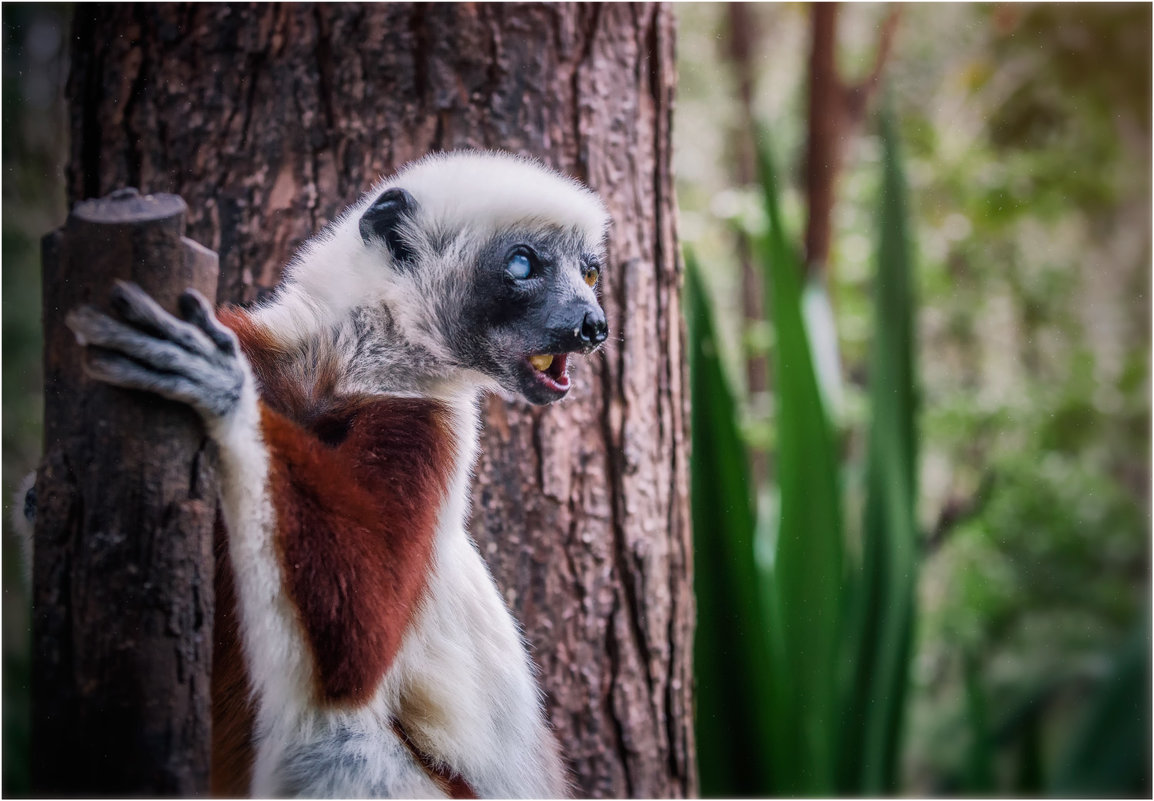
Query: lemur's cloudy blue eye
[[519, 265]]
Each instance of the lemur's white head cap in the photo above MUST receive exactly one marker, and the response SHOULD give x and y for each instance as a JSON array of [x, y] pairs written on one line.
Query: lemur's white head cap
[[461, 189]]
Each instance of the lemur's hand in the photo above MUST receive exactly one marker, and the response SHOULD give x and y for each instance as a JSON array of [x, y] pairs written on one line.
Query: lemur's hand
[[144, 347]]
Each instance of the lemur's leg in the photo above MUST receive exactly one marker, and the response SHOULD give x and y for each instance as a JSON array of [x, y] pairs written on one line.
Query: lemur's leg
[[353, 762], [468, 694]]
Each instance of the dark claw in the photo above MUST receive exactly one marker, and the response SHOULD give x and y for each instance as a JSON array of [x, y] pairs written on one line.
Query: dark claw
[[195, 309], [133, 305], [30, 504]]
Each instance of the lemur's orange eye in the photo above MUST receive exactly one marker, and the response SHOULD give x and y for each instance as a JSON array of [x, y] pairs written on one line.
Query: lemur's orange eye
[[591, 276]]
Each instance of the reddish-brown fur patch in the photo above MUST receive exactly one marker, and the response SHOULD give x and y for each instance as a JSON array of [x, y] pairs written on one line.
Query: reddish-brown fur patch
[[357, 484], [356, 524], [452, 784], [232, 708], [300, 383]]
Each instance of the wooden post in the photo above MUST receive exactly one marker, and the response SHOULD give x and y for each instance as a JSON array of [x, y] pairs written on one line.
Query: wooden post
[[126, 500]]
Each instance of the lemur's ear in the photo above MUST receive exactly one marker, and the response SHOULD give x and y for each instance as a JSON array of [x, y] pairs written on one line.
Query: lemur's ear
[[383, 219]]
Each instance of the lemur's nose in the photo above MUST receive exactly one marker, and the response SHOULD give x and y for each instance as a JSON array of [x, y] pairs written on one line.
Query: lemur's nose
[[594, 329]]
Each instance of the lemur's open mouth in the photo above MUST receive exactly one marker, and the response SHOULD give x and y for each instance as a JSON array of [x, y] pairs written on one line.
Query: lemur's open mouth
[[552, 370]]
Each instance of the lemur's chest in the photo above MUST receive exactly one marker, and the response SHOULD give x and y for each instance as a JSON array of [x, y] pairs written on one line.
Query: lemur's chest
[[356, 494]]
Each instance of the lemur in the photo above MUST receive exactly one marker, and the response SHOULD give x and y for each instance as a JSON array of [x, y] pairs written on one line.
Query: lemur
[[362, 647]]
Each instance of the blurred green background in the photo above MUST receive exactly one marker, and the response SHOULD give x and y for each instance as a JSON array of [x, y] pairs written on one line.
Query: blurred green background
[[941, 586], [921, 482], [34, 143]]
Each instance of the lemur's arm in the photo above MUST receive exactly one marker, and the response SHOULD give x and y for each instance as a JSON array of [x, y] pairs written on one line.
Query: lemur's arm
[[383, 459]]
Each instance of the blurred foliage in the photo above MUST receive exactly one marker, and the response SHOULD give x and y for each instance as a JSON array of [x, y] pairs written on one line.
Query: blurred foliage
[[821, 709], [34, 146], [1027, 138], [884, 602]]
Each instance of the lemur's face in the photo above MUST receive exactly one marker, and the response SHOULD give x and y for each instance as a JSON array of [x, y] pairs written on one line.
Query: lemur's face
[[533, 304], [514, 305]]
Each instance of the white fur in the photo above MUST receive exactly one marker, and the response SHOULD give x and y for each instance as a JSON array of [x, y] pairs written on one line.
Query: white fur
[[462, 683], [484, 192], [273, 643], [464, 666]]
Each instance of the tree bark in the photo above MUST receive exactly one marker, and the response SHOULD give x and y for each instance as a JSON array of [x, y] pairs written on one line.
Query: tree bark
[[270, 119], [836, 113], [123, 590]]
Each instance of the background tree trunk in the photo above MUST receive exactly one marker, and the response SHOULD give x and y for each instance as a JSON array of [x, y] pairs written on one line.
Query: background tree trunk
[[742, 37], [827, 131], [269, 119], [837, 110]]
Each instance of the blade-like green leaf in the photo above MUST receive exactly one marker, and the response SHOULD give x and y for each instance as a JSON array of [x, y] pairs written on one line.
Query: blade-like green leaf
[[1109, 753], [1029, 778], [804, 596], [731, 649], [880, 647], [979, 775]]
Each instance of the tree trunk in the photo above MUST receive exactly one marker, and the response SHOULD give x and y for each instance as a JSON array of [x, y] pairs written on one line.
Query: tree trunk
[[836, 113], [742, 35], [270, 119], [826, 143], [126, 499]]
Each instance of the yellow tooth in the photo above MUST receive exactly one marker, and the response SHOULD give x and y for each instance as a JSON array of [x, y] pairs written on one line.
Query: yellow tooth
[[541, 362]]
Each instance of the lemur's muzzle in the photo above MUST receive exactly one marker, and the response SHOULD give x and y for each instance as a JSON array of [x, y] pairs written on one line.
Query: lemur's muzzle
[[578, 327]]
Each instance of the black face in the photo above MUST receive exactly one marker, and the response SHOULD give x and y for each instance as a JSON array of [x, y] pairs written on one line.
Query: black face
[[533, 305]]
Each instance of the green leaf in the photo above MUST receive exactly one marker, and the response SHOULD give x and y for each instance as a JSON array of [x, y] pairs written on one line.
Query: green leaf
[[804, 595], [1109, 753], [883, 606], [731, 650], [979, 775]]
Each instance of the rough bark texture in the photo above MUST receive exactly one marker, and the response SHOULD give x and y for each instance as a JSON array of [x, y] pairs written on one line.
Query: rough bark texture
[[123, 591], [270, 119]]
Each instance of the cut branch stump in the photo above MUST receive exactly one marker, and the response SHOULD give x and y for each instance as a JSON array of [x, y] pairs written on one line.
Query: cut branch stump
[[126, 501]]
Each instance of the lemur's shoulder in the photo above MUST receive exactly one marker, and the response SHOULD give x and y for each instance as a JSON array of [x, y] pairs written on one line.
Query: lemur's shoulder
[[298, 380]]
